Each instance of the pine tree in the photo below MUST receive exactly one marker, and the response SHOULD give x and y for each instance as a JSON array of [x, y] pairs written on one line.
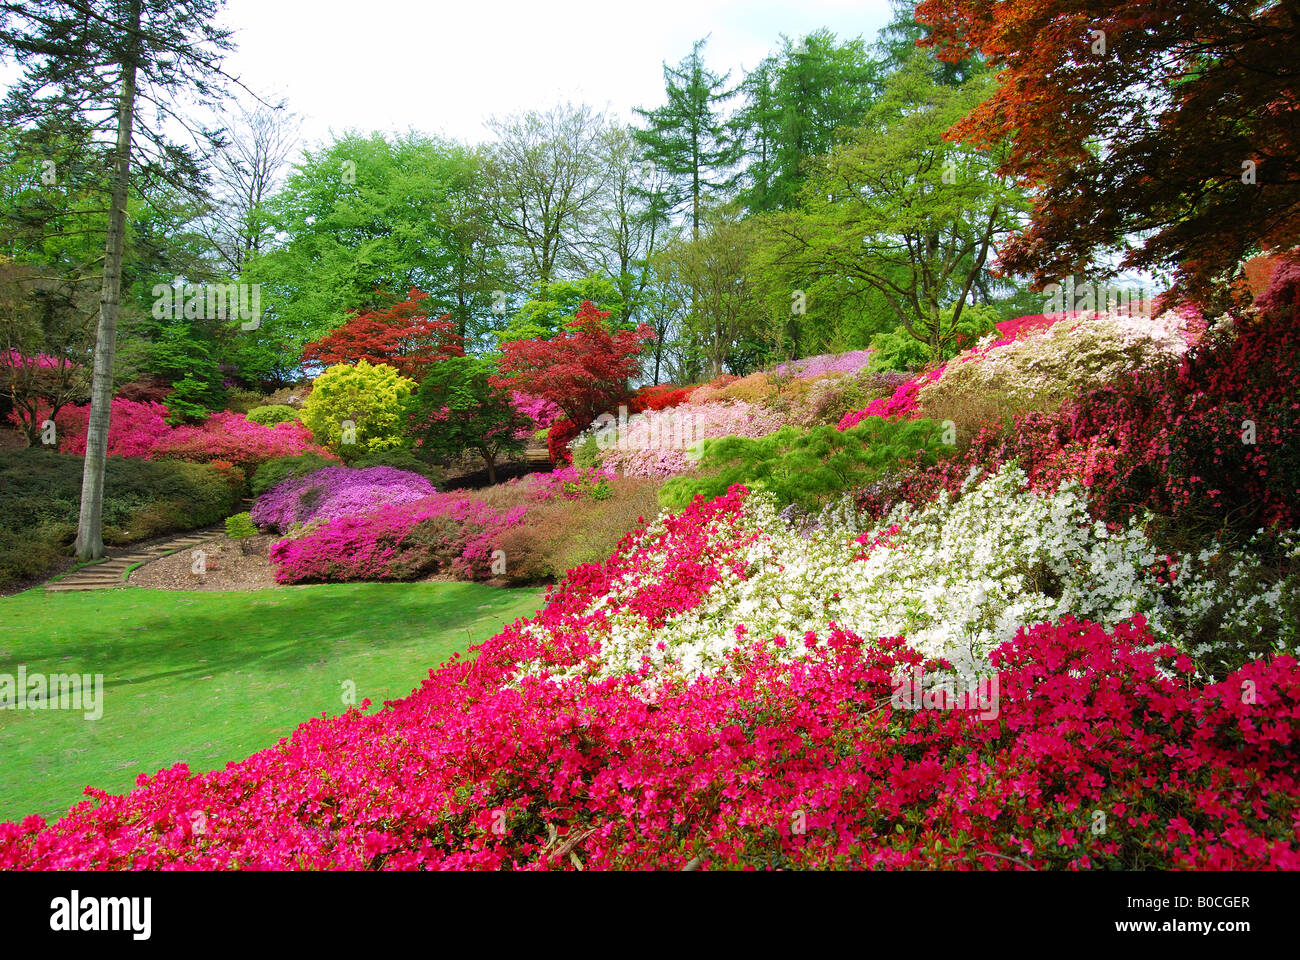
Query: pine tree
[[687, 138]]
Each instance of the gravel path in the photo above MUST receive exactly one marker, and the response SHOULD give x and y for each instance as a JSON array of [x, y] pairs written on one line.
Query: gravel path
[[217, 564]]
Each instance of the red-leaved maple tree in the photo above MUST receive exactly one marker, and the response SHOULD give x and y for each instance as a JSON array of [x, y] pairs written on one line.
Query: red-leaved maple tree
[[584, 370], [1174, 120], [403, 336]]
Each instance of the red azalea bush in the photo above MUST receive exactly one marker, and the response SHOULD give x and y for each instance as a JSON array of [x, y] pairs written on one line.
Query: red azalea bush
[[231, 436], [773, 765], [557, 441], [902, 403], [663, 396]]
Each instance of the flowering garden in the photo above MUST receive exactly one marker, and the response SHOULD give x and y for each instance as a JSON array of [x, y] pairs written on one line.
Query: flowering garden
[[798, 477], [720, 690]]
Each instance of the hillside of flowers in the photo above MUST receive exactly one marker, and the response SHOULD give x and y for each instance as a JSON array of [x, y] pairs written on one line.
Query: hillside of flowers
[[1101, 592]]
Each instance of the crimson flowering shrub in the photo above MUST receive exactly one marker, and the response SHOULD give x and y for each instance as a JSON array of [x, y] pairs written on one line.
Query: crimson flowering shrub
[[134, 427], [557, 441], [227, 435], [659, 397], [336, 492], [901, 403], [396, 541], [773, 764]]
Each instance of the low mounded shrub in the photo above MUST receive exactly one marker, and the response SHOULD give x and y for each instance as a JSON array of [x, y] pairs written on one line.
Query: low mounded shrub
[[809, 468], [277, 469], [271, 414], [335, 492]]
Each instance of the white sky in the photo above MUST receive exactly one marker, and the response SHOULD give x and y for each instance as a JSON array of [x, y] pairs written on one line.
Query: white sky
[[447, 67]]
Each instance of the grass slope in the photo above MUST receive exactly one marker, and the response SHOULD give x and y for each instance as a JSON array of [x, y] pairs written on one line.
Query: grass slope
[[206, 678]]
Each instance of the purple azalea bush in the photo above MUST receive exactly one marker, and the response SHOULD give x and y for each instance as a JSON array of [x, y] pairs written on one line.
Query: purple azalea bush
[[335, 492], [825, 365]]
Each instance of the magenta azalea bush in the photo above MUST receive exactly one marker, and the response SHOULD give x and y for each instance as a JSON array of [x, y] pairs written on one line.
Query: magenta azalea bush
[[397, 541], [542, 412], [140, 429], [335, 492]]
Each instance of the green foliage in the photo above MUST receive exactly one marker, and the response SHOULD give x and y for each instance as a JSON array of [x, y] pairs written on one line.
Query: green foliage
[[900, 214], [554, 304], [457, 408], [40, 495], [240, 526], [810, 468], [400, 458], [687, 139], [367, 218], [282, 468], [588, 452], [271, 414], [797, 102], [900, 350], [357, 408]]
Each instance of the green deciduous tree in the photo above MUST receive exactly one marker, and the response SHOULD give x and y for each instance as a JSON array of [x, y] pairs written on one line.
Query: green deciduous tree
[[901, 211], [93, 65], [457, 408]]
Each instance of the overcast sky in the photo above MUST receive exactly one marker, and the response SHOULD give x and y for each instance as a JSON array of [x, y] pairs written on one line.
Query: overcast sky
[[446, 67]]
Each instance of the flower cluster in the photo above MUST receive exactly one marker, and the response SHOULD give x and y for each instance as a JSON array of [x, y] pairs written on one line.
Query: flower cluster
[[1046, 363], [540, 411], [957, 578], [662, 444], [134, 428], [772, 765], [825, 365], [140, 429], [336, 492], [231, 436], [901, 403], [397, 541]]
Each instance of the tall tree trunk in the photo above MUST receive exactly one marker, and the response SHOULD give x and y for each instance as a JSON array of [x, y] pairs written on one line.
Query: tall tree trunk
[[90, 523]]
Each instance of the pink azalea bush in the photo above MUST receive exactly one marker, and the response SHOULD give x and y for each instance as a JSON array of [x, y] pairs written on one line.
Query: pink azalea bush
[[825, 365], [336, 492], [659, 444], [901, 403], [140, 429], [134, 428], [542, 412], [231, 436], [396, 541]]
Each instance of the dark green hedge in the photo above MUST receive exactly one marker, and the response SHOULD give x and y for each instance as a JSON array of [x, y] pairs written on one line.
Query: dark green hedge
[[40, 496]]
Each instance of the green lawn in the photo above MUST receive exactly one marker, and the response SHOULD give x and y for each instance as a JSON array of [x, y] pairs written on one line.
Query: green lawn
[[206, 678]]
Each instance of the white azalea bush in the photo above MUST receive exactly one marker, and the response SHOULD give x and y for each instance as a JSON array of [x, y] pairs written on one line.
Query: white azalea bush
[[1043, 368], [956, 578]]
